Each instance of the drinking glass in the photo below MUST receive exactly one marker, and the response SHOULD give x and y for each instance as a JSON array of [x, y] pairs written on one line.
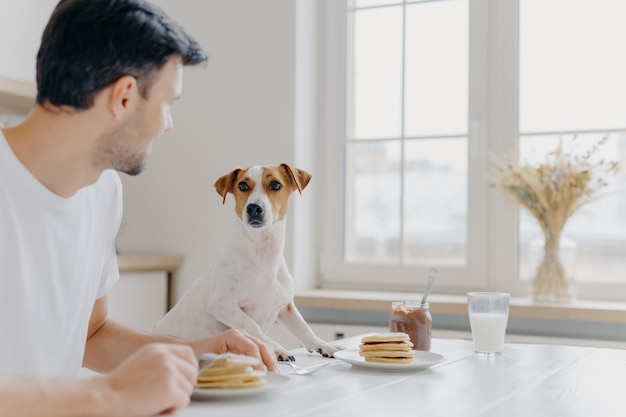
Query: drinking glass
[[488, 314]]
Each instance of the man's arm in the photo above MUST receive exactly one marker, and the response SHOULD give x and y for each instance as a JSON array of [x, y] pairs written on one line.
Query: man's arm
[[38, 397], [148, 378], [157, 378], [144, 378], [110, 342]]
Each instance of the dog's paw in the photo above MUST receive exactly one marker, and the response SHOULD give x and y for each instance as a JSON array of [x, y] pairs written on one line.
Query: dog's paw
[[325, 349], [282, 355]]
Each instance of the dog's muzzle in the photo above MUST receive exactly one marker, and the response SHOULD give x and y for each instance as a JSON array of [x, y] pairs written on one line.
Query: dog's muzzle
[[255, 214]]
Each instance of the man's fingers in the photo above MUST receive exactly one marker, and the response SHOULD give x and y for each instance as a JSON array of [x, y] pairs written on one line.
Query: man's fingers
[[188, 366], [269, 357], [265, 351], [185, 352], [183, 365]]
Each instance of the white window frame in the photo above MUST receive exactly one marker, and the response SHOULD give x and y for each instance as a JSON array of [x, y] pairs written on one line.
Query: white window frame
[[492, 241]]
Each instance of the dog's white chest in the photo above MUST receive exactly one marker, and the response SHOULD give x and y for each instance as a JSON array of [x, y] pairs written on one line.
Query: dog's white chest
[[261, 289]]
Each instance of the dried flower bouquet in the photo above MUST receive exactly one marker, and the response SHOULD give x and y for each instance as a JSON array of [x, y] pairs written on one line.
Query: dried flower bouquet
[[552, 192]]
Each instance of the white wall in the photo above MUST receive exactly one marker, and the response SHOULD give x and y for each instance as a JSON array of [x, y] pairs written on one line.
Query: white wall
[[21, 25], [238, 111]]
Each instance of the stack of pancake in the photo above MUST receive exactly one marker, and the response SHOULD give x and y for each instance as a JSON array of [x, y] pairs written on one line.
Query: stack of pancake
[[395, 347], [231, 371]]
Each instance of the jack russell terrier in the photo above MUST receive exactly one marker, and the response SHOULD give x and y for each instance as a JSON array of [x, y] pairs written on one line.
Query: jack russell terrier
[[249, 287]]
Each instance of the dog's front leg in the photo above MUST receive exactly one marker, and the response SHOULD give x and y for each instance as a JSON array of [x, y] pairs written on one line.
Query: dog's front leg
[[238, 319], [293, 321]]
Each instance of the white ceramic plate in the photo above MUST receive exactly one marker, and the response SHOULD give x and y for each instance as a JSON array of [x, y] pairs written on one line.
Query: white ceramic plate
[[423, 360], [272, 381]]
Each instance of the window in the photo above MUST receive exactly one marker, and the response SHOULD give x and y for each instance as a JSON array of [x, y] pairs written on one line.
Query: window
[[572, 90], [419, 93]]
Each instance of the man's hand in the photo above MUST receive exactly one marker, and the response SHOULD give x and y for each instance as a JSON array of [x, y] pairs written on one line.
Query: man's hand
[[238, 341], [157, 378]]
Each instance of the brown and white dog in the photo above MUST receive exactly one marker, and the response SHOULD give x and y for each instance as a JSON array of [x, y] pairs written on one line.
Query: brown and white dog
[[249, 287]]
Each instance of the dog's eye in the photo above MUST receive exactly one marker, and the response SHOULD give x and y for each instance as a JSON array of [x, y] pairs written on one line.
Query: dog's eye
[[243, 186], [275, 185]]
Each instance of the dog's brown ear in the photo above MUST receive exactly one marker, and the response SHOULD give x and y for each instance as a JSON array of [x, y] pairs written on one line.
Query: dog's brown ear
[[225, 183], [299, 177]]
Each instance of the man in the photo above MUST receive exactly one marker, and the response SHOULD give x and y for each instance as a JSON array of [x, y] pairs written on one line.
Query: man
[[107, 73]]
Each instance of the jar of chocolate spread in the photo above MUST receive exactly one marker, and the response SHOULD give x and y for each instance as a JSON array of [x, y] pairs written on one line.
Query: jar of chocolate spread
[[414, 319]]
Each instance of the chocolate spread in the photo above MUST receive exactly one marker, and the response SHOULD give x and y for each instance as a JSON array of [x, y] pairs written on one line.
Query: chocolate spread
[[413, 319]]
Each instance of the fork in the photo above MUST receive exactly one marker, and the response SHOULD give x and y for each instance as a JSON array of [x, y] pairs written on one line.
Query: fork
[[309, 369], [205, 360]]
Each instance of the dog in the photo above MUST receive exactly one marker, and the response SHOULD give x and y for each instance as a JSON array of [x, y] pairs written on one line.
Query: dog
[[249, 287]]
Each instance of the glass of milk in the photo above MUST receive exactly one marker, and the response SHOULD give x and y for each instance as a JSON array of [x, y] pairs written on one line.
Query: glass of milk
[[488, 314]]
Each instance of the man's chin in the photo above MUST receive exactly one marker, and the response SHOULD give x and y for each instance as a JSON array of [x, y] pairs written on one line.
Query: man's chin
[[134, 171]]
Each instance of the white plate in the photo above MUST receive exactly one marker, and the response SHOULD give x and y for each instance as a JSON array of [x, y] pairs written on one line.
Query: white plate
[[272, 381], [423, 360]]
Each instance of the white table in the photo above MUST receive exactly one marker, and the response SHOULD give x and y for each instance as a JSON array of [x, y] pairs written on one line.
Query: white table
[[527, 380]]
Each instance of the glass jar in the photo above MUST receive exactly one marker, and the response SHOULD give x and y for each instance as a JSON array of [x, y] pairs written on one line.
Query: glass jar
[[414, 319]]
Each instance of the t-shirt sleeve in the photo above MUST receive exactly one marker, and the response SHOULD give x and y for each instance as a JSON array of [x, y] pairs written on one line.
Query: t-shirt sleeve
[[110, 275]]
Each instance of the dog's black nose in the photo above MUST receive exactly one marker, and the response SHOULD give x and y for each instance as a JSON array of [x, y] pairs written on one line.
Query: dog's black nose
[[255, 211]]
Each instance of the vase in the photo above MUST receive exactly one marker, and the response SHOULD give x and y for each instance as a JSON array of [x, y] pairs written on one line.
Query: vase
[[553, 261]]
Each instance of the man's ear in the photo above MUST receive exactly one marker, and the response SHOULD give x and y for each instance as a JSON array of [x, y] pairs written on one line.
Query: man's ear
[[122, 95]]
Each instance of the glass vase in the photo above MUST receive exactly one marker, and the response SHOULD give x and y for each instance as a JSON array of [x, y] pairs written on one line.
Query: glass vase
[[553, 265]]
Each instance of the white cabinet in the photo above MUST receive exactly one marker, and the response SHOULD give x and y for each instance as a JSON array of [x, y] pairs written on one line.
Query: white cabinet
[[144, 292], [139, 299]]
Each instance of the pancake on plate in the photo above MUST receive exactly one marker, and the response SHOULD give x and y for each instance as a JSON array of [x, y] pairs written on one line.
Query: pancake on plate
[[394, 347], [231, 371]]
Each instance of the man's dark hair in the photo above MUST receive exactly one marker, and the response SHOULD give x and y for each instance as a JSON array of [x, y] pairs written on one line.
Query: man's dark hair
[[89, 44]]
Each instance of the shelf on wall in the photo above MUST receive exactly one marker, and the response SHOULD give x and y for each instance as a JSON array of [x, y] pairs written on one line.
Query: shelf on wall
[[17, 95]]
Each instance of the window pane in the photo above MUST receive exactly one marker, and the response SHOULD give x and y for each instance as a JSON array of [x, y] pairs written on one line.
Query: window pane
[[435, 198], [599, 229], [370, 3], [373, 202], [437, 68], [374, 97], [572, 65]]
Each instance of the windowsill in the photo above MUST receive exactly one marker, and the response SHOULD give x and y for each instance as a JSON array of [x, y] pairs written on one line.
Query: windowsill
[[522, 307]]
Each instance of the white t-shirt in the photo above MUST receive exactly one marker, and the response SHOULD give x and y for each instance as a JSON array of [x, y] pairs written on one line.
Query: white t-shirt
[[57, 256]]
